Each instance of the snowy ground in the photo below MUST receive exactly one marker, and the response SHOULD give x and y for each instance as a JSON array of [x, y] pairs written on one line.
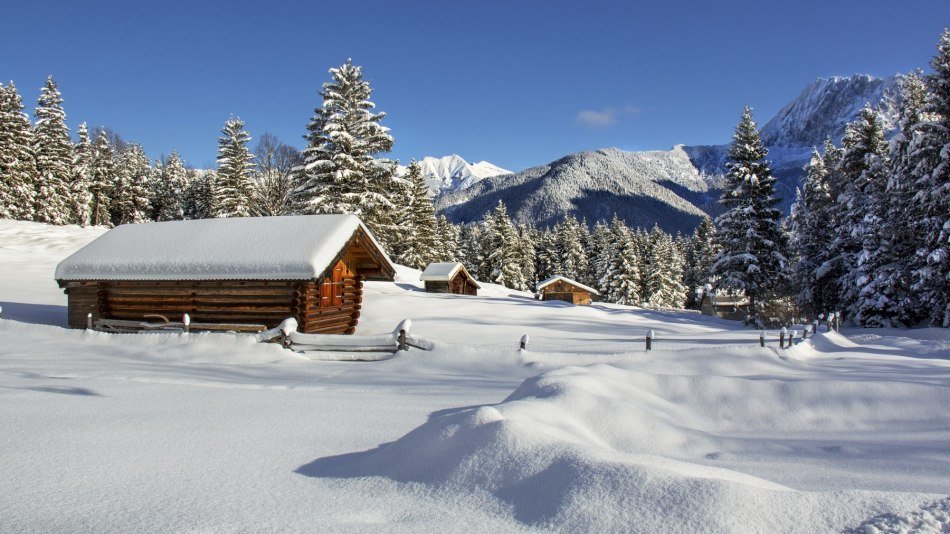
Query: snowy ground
[[583, 432]]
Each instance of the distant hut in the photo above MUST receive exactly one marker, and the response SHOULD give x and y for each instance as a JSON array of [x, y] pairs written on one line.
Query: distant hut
[[450, 277], [237, 271], [731, 307], [562, 288]]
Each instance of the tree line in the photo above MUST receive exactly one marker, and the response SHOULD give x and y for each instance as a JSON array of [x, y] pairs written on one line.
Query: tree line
[[868, 234]]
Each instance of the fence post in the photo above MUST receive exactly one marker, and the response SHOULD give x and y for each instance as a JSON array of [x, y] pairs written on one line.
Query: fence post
[[650, 335], [804, 333], [781, 337], [402, 340], [186, 321], [89, 321], [1, 312], [814, 327], [837, 321], [524, 342], [761, 338]]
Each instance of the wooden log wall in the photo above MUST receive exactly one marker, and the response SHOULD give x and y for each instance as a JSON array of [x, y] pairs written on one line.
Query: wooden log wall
[[338, 319]]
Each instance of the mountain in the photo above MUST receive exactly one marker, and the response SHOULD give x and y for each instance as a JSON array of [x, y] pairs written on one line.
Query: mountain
[[642, 187], [824, 108], [672, 188], [452, 173]]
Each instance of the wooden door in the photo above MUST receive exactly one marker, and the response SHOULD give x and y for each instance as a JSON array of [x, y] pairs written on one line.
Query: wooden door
[[331, 290]]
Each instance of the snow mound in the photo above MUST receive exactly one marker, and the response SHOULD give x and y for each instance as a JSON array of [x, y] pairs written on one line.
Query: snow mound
[[604, 447]]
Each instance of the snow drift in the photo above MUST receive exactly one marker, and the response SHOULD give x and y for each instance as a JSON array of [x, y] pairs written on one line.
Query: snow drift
[[608, 447]]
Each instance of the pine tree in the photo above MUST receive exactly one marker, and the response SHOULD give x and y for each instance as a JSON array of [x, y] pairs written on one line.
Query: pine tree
[[547, 259], [168, 191], [862, 177], [235, 167], [79, 195], [102, 177], [130, 202], [621, 280], [929, 153], [54, 153], [701, 250], [503, 249], [449, 241], [17, 161], [527, 245], [470, 250], [340, 173], [572, 257], [753, 255], [419, 233], [600, 254]]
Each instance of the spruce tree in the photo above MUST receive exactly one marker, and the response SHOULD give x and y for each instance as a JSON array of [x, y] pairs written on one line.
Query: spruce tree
[[701, 251], [448, 241], [235, 167], [929, 152], [502, 245], [102, 177], [600, 254], [419, 234], [812, 228], [340, 173], [17, 161], [53, 150], [622, 280], [859, 207], [169, 187], [79, 186], [753, 255], [527, 250], [572, 257], [130, 202], [547, 259]]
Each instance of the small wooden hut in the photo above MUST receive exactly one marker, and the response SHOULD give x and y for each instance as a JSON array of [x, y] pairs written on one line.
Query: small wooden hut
[[731, 307], [253, 270], [562, 288], [450, 277]]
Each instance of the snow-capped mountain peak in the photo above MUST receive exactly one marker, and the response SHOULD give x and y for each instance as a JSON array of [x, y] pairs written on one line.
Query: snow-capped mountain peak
[[453, 173]]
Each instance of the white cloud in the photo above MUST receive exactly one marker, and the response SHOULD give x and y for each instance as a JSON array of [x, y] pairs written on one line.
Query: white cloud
[[604, 117]]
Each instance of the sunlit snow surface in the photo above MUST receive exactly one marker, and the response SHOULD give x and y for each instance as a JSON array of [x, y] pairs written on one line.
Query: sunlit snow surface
[[584, 431]]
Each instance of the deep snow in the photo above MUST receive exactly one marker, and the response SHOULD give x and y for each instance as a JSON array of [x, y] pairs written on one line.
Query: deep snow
[[584, 431]]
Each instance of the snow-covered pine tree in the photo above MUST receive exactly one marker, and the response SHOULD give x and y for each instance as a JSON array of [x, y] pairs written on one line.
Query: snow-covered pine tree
[[81, 178], [572, 257], [547, 259], [420, 232], [503, 250], [130, 193], [859, 207], [527, 244], [622, 277], [600, 253], [102, 178], [169, 185], [17, 162], [53, 150], [204, 187], [470, 250], [701, 251], [449, 241], [812, 229], [235, 167], [930, 155], [340, 173], [753, 255]]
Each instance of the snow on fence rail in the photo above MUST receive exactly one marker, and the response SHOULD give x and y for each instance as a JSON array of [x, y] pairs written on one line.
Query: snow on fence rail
[[649, 340], [345, 347]]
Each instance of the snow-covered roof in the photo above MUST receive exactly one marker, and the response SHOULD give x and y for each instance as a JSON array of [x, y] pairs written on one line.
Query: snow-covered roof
[[248, 248], [549, 281], [445, 271]]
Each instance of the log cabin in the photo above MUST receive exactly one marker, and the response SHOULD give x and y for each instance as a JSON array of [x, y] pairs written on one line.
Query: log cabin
[[449, 277], [731, 307], [563, 288], [253, 270]]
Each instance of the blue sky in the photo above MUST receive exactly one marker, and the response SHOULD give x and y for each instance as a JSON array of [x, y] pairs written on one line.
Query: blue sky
[[517, 83]]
